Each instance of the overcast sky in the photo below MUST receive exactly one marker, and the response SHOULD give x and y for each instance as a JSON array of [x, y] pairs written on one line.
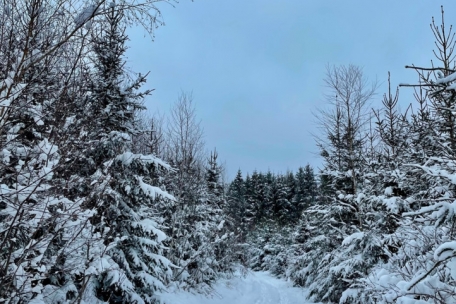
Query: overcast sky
[[256, 67]]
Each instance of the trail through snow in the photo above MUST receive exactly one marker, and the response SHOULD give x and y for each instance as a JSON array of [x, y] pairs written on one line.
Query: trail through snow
[[254, 288]]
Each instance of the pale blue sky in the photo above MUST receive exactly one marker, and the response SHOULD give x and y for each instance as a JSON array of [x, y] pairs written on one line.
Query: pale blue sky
[[256, 67]]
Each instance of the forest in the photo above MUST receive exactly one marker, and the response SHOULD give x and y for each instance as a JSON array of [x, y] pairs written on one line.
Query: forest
[[104, 202]]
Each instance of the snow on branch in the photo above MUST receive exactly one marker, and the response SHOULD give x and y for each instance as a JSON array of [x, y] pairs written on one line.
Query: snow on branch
[[152, 191], [86, 14], [151, 227], [127, 158], [449, 78]]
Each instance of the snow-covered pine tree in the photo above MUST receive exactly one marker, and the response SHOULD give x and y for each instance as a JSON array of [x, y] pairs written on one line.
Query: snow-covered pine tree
[[268, 200], [291, 190], [305, 248], [122, 186], [422, 269], [384, 191], [259, 199], [222, 241], [282, 207], [236, 204], [256, 196], [214, 181], [306, 188], [251, 211]]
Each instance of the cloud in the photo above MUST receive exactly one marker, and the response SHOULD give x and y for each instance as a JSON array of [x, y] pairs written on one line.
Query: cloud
[[256, 67]]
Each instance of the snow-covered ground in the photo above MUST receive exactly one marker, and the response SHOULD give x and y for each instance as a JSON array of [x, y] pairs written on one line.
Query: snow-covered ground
[[254, 288]]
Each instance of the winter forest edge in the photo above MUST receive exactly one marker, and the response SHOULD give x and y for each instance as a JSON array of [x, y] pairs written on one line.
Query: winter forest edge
[[101, 203]]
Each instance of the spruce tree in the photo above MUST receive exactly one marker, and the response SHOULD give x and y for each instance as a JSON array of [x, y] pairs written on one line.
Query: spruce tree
[[260, 196], [220, 239], [236, 204], [291, 190], [425, 233], [123, 185], [282, 206], [306, 188], [255, 200]]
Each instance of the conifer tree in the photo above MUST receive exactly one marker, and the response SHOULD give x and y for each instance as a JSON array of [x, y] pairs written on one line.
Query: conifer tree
[[282, 207], [254, 200], [291, 190], [124, 191], [214, 179], [428, 186], [236, 203], [260, 195], [250, 201], [306, 188], [221, 240]]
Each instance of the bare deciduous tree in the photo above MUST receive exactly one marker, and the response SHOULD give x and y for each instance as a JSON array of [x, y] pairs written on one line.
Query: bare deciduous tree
[[343, 125], [185, 145]]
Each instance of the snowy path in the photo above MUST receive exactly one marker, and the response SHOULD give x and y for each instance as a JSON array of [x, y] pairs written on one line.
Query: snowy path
[[255, 288]]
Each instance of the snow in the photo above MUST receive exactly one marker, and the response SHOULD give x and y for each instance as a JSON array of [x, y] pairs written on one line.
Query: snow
[[127, 158], [391, 203], [152, 191], [255, 287], [449, 78], [220, 226], [389, 191], [85, 15], [151, 226], [348, 294], [355, 236], [445, 250], [452, 266]]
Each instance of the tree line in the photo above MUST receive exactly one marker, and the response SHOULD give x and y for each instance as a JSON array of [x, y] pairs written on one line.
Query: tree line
[[264, 198]]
